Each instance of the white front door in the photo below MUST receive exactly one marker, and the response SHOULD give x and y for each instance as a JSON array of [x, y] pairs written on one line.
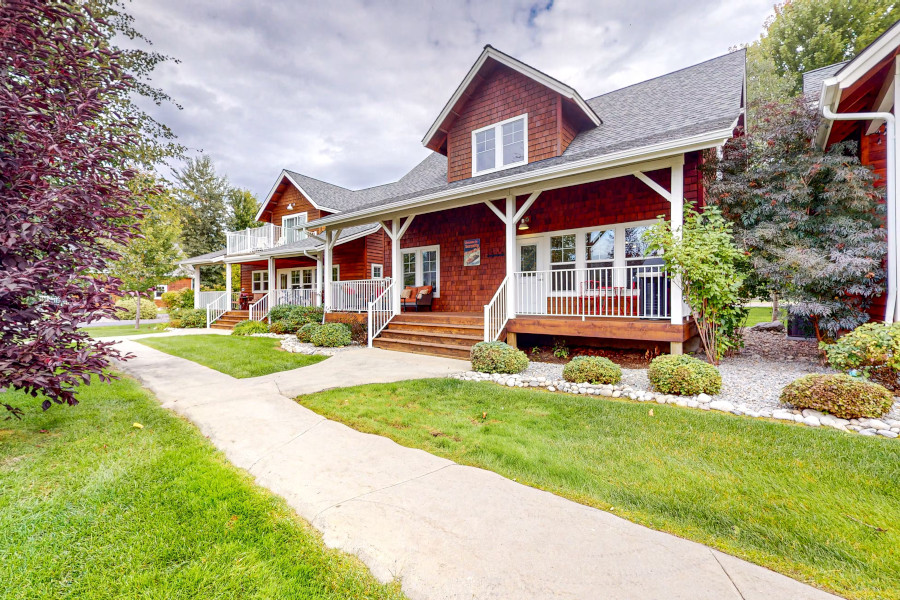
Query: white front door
[[531, 291]]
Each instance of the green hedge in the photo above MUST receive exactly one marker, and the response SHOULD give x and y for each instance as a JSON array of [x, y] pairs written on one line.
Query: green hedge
[[305, 333], [497, 357], [592, 369], [873, 350], [249, 327], [178, 299], [291, 318], [187, 318], [840, 395], [684, 375], [331, 335], [128, 308]]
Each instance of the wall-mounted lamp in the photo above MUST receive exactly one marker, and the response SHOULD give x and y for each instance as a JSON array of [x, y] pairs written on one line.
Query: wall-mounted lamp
[[523, 224], [291, 206]]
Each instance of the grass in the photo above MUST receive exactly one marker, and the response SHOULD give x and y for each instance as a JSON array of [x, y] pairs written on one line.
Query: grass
[[92, 507], [761, 314], [238, 356], [821, 506], [121, 330]]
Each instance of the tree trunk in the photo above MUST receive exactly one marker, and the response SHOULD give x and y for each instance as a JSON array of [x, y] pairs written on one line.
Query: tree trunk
[[137, 310], [775, 314]]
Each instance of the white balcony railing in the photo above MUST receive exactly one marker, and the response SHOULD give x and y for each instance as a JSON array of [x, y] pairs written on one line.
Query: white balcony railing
[[261, 238], [355, 295], [639, 292]]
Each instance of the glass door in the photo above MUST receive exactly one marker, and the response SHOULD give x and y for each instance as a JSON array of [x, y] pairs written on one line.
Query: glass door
[[531, 292]]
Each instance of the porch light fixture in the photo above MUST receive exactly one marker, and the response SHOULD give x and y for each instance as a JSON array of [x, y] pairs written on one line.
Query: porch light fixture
[[290, 206], [523, 224]]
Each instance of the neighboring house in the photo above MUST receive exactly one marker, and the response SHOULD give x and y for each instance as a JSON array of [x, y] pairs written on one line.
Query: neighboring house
[[526, 219], [183, 283], [848, 94]]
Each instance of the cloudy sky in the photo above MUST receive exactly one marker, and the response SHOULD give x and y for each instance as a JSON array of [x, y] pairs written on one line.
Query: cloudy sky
[[344, 90]]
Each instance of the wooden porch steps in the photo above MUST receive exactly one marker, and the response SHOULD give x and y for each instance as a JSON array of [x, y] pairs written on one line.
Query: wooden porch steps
[[439, 334], [230, 319]]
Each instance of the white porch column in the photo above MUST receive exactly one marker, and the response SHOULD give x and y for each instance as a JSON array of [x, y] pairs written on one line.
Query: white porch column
[[272, 282], [327, 274], [196, 286], [893, 170], [228, 285], [510, 225], [396, 265], [676, 300], [318, 300]]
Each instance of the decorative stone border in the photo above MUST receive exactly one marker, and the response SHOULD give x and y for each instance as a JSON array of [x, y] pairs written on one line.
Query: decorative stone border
[[888, 428], [290, 343]]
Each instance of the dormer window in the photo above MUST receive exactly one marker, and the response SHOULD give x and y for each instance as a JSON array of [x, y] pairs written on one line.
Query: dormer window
[[500, 146]]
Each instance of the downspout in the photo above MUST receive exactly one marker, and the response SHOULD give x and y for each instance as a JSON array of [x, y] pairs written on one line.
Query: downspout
[[306, 254], [891, 310]]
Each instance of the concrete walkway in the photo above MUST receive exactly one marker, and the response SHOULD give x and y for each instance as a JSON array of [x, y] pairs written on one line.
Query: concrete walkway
[[447, 531]]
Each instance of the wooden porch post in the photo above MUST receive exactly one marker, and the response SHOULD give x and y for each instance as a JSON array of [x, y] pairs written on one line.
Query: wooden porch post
[[327, 274], [318, 301], [510, 224], [272, 282], [228, 285], [396, 265], [676, 301], [196, 286]]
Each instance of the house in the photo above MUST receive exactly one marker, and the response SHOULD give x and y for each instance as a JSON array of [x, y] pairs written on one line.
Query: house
[[858, 99], [526, 219], [176, 285]]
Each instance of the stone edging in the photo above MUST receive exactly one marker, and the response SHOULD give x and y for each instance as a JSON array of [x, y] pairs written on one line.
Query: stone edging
[[888, 428], [290, 343]]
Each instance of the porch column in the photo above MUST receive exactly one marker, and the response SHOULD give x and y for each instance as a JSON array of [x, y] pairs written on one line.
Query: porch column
[[272, 281], [318, 299], [396, 265], [196, 286], [327, 274], [510, 224], [676, 300], [228, 285]]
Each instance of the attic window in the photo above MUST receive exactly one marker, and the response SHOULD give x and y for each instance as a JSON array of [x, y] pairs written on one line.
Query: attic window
[[500, 146]]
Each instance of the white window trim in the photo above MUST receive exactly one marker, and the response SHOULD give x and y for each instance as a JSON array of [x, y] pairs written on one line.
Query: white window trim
[[292, 218], [289, 270], [498, 146], [380, 268], [333, 268], [253, 282], [157, 295], [418, 252]]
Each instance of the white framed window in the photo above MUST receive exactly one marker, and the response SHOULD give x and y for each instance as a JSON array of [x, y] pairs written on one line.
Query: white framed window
[[563, 257], [260, 281], [290, 227], [377, 271], [335, 272], [422, 266], [296, 279], [159, 290], [500, 146]]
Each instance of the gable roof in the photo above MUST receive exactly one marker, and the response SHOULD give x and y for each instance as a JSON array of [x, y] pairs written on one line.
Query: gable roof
[[812, 80], [489, 57]]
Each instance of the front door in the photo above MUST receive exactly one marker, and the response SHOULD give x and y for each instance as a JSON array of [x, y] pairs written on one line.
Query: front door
[[531, 295]]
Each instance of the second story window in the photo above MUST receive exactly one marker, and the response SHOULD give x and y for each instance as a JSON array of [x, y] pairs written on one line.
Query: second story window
[[291, 227], [500, 146]]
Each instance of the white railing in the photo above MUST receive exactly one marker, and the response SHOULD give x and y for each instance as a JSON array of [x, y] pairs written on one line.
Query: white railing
[[235, 303], [495, 313], [381, 311], [355, 296], [261, 238], [296, 297], [639, 292], [259, 310], [207, 297], [217, 308]]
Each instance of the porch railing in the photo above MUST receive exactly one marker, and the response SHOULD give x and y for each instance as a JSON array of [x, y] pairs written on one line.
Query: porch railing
[[207, 297], [355, 295], [638, 292], [381, 311], [496, 314], [261, 238], [218, 307], [296, 297], [259, 310]]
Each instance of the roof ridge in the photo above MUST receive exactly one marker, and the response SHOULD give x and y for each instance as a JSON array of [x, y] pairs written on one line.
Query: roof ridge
[[319, 180], [831, 66]]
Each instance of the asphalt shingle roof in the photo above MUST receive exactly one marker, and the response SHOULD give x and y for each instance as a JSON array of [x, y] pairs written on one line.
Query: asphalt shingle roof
[[204, 257], [812, 80]]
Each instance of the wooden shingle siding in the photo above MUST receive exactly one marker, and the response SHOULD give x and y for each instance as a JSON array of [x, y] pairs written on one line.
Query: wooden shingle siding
[[278, 207]]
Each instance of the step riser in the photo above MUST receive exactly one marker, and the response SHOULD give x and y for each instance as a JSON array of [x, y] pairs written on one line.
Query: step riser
[[440, 318], [424, 337], [414, 349], [426, 329]]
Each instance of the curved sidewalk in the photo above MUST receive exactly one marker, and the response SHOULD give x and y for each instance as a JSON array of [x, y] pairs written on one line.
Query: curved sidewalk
[[447, 531]]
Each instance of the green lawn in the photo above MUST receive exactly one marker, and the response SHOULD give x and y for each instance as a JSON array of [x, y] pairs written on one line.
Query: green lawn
[[92, 507], [122, 330], [818, 505], [238, 356], [760, 314]]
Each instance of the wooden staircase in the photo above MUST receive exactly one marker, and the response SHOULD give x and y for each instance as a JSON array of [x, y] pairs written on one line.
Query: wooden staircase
[[230, 319], [439, 333]]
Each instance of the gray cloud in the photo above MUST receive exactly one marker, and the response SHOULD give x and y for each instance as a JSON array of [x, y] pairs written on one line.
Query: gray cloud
[[344, 90]]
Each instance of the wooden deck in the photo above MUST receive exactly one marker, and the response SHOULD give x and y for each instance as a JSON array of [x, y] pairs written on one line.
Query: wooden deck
[[620, 328]]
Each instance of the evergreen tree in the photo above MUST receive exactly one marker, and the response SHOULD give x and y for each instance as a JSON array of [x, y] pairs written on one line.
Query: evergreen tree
[[201, 194], [242, 209]]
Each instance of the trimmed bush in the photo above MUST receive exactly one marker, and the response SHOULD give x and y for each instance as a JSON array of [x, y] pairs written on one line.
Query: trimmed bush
[[331, 335], [683, 375], [178, 299], [174, 323], [872, 349], [128, 307], [277, 327], [188, 317], [292, 318], [250, 327], [840, 395], [592, 369], [304, 334], [497, 357]]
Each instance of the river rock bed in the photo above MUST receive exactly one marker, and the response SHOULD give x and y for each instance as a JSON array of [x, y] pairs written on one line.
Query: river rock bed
[[290, 343]]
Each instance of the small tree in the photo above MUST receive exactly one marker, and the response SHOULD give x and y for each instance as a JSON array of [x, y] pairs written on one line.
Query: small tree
[[242, 209], [709, 266]]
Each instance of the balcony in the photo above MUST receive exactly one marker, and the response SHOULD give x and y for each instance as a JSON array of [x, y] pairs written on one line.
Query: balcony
[[248, 241]]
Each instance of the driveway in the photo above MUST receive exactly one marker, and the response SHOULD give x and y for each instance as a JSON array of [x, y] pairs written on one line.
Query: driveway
[[447, 531]]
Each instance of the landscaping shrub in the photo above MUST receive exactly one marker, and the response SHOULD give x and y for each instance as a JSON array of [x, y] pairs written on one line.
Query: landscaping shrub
[[305, 333], [840, 395], [331, 335], [278, 327], [497, 357], [178, 299], [359, 330], [291, 318], [872, 349], [175, 323], [128, 307], [250, 327], [592, 369], [684, 375], [188, 317]]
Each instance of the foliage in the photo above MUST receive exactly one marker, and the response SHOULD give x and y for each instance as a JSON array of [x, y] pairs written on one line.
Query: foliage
[[249, 328], [187, 318], [684, 375], [840, 395], [277, 327], [560, 348], [129, 306], [242, 209], [711, 270], [359, 330], [810, 221], [497, 357], [305, 333], [331, 335], [872, 349], [178, 299], [592, 369], [291, 318], [67, 141], [201, 194]]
